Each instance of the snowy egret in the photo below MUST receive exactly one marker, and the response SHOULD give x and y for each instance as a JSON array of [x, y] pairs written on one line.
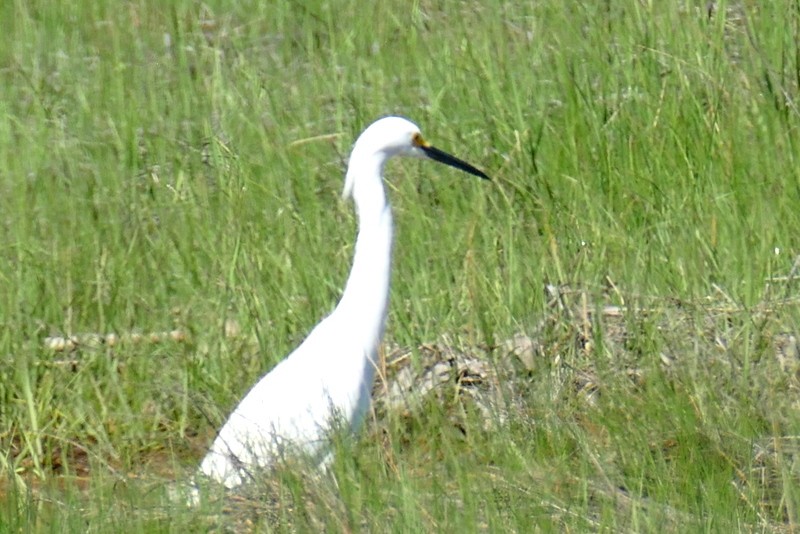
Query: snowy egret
[[325, 383]]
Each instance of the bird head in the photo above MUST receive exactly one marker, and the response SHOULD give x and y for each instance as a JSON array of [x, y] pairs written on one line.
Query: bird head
[[397, 136]]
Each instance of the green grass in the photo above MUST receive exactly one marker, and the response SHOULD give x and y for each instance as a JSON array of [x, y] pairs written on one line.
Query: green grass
[[177, 166]]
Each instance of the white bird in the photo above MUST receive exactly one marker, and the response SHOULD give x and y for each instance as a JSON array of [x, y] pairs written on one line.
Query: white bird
[[325, 384]]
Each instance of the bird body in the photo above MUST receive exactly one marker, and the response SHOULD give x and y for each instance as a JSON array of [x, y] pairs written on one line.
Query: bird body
[[325, 384]]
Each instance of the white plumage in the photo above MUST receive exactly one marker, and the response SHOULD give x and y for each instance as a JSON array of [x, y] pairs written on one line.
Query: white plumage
[[325, 384]]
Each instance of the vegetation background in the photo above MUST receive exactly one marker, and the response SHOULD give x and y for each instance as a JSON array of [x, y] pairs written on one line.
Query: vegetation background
[[170, 174]]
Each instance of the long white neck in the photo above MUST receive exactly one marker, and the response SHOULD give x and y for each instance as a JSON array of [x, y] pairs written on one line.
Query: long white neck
[[365, 300]]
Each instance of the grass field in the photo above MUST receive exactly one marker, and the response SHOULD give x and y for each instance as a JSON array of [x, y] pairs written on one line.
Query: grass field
[[171, 174]]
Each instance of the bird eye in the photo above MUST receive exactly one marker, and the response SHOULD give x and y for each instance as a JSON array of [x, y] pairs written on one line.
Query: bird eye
[[418, 141]]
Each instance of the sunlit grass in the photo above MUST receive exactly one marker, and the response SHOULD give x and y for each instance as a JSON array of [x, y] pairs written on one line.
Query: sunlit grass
[[179, 168]]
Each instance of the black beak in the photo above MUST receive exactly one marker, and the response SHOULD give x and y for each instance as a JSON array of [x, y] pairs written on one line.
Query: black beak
[[443, 157]]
